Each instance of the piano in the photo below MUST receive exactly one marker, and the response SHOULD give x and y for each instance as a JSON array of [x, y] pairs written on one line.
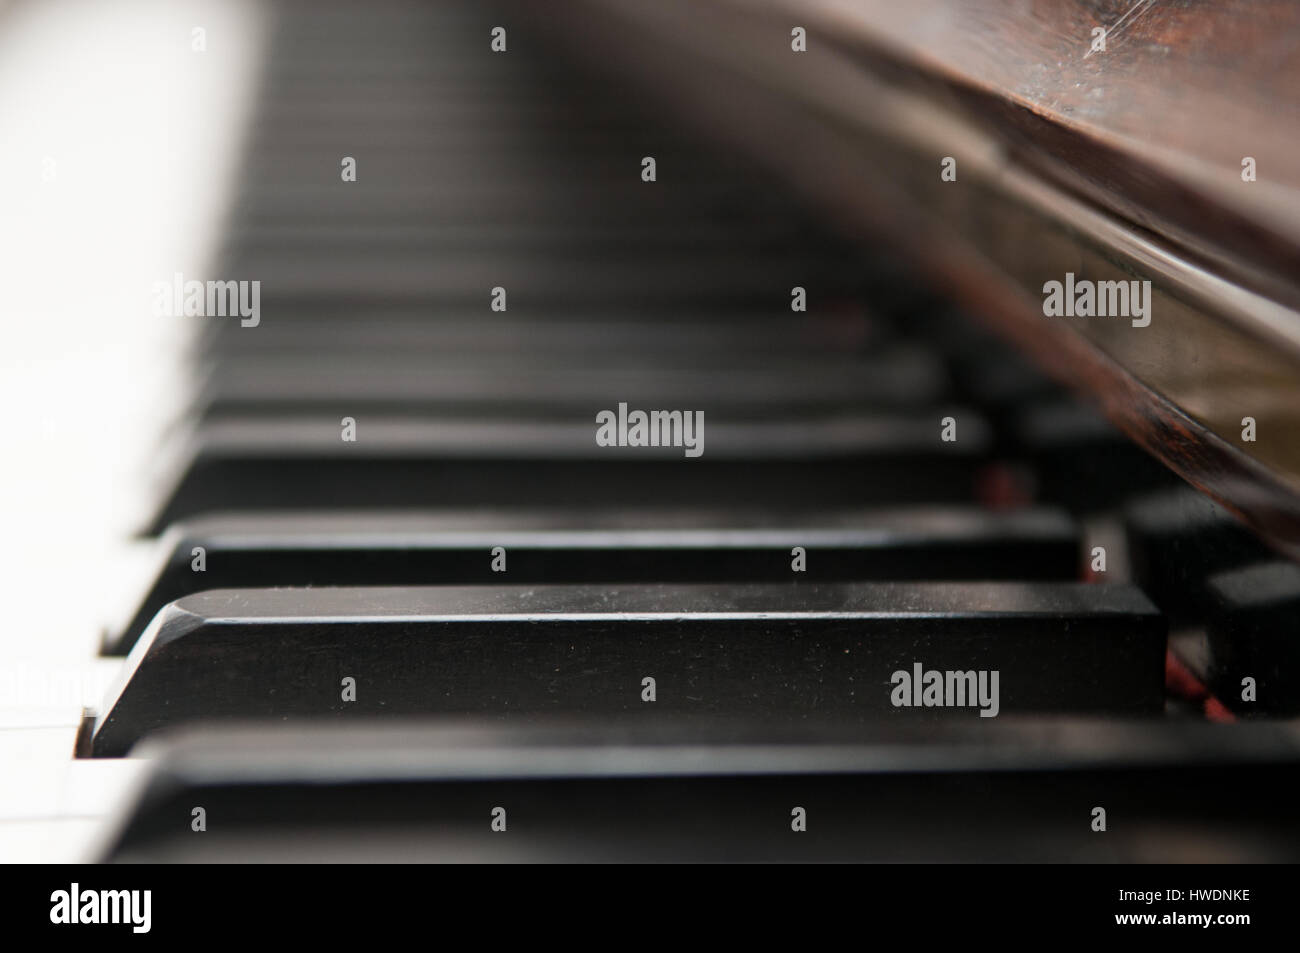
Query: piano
[[689, 431]]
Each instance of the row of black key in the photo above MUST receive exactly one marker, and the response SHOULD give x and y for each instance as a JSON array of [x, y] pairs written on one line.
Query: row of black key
[[376, 317], [469, 548]]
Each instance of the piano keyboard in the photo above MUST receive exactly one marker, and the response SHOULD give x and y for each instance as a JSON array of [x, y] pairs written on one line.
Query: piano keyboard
[[893, 576]]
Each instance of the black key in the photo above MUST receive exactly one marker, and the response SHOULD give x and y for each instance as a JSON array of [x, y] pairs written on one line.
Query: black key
[[848, 650], [989, 371], [1004, 380], [1001, 791], [1176, 539], [294, 464], [339, 549], [660, 337], [1081, 460], [530, 384], [468, 276], [1253, 631]]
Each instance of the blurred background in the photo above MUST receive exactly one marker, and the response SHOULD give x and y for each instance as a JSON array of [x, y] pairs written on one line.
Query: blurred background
[[824, 226]]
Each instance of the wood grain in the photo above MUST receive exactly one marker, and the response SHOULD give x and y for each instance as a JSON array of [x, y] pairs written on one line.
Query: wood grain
[[1127, 166]]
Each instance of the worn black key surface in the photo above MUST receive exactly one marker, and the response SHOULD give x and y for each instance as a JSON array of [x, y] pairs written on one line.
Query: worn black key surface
[[988, 791], [288, 464], [689, 339], [782, 651], [450, 383], [1253, 631], [624, 545], [1177, 539]]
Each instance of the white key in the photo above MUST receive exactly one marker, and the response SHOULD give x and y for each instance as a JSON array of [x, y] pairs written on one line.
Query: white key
[[107, 187]]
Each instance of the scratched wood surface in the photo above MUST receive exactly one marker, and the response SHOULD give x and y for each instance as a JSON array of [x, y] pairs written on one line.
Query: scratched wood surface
[[1192, 85], [1149, 140], [1155, 127]]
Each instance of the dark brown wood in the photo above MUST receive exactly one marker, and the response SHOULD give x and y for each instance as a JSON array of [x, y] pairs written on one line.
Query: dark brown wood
[[1189, 88], [1127, 167]]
